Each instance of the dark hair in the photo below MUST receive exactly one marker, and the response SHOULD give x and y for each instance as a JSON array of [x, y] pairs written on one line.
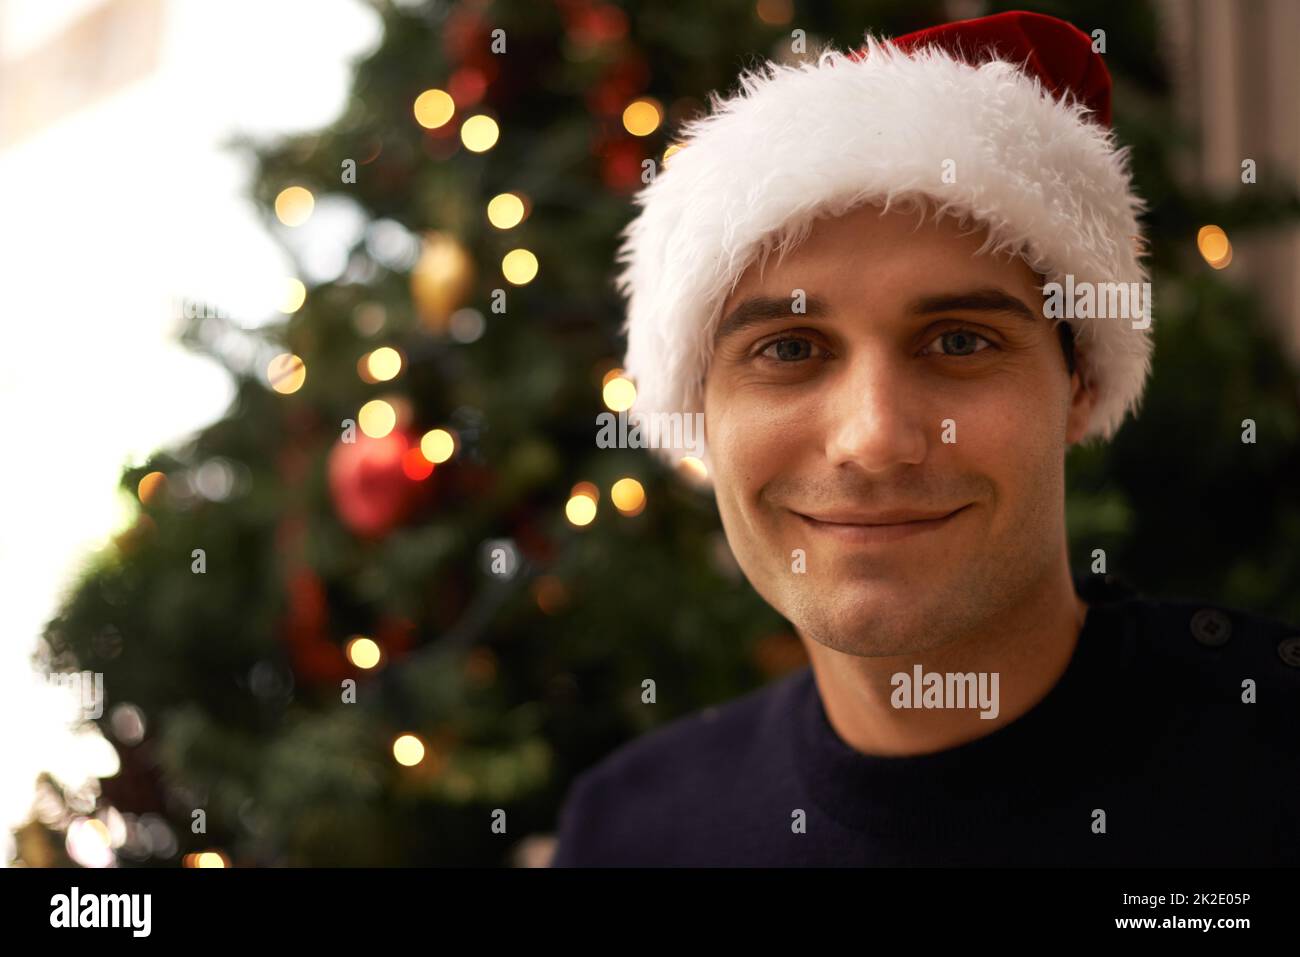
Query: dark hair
[[1066, 333]]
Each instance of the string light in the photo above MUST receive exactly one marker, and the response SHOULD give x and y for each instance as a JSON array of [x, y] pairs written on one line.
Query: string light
[[479, 133], [433, 108], [438, 445], [693, 468], [377, 418], [363, 652], [408, 750], [150, 486], [294, 205], [292, 297], [580, 510], [519, 266], [505, 210], [618, 394], [286, 373], [384, 364], [1214, 246], [642, 117], [628, 496]]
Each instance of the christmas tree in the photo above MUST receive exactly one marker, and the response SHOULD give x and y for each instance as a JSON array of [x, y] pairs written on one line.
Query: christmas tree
[[387, 607]]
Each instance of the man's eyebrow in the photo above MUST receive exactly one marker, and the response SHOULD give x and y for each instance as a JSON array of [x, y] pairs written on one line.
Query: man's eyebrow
[[990, 299], [758, 309]]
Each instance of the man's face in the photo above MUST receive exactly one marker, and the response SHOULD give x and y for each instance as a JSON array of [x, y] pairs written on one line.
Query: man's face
[[907, 432]]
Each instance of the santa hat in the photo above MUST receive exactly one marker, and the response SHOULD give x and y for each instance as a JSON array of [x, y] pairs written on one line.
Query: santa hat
[[1019, 102]]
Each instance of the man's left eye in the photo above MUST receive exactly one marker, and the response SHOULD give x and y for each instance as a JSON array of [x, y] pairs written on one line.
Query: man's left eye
[[959, 342]]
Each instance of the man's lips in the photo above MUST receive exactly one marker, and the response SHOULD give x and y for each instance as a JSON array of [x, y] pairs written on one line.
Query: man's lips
[[888, 526]]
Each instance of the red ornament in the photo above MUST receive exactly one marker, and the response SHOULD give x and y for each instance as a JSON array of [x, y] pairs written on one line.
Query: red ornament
[[305, 629], [372, 485]]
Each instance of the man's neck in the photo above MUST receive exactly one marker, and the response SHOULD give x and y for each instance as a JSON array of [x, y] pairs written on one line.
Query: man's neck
[[1028, 650]]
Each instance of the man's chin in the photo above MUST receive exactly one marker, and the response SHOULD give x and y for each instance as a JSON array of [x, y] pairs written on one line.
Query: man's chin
[[870, 619]]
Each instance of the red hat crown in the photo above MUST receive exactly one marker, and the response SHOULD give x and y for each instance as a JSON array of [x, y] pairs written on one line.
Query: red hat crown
[[1057, 53]]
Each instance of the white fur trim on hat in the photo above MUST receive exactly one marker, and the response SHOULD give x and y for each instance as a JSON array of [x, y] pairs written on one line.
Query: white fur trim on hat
[[798, 142]]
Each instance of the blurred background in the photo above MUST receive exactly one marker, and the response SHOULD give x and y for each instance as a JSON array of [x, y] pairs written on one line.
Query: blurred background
[[314, 491]]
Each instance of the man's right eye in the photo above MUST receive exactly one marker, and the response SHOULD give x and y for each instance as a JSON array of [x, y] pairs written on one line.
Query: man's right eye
[[787, 349]]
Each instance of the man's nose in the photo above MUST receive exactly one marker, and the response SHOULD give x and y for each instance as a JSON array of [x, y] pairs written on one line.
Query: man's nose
[[875, 416]]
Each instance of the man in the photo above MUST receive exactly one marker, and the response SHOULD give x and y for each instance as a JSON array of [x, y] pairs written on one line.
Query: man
[[887, 409]]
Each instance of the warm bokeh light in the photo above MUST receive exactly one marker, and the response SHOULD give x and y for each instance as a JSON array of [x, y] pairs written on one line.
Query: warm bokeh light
[[668, 153], [618, 394], [588, 489], [415, 466], [150, 486], [613, 373], [286, 373], [693, 468], [433, 108], [774, 12], [293, 296], [642, 117], [580, 510], [550, 593], [438, 445], [384, 363], [505, 211], [1214, 246], [294, 205], [519, 266], [210, 859], [363, 652], [89, 843], [377, 418], [408, 750], [628, 496], [479, 133]]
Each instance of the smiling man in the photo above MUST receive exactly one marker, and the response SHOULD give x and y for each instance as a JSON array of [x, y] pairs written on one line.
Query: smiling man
[[887, 411]]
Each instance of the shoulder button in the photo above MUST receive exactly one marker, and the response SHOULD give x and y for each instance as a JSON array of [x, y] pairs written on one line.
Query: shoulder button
[[1212, 627], [1288, 649]]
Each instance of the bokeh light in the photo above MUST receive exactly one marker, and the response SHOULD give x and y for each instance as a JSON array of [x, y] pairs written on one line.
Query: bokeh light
[[294, 205], [433, 108], [292, 296], [618, 394], [580, 510], [628, 496], [438, 445], [479, 133], [505, 210], [377, 418], [408, 750], [519, 266], [286, 373], [151, 486], [363, 652], [642, 117], [1214, 246], [384, 364]]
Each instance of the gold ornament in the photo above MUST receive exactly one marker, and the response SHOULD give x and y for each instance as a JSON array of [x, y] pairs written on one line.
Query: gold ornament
[[441, 280]]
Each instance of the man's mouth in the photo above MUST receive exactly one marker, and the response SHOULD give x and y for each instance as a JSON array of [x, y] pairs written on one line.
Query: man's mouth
[[875, 527]]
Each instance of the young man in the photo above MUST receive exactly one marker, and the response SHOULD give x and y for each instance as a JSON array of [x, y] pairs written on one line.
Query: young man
[[887, 411]]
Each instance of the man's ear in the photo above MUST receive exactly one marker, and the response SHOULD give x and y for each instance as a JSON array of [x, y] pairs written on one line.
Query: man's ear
[[1082, 399]]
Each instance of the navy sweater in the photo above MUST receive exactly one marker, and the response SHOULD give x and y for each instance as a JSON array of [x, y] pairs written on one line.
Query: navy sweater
[[1147, 725]]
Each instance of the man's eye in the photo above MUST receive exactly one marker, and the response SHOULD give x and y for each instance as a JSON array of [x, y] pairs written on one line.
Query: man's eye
[[788, 350], [959, 342]]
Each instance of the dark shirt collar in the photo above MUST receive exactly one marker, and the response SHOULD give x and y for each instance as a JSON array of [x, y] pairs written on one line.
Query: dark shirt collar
[[1042, 755]]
